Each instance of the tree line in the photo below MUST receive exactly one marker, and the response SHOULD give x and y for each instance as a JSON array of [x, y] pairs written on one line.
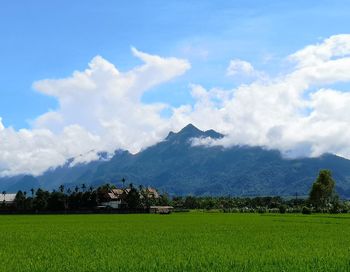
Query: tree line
[[322, 198], [81, 198]]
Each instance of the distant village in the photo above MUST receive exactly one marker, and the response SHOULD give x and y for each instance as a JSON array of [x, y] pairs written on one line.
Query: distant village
[[106, 198], [117, 199]]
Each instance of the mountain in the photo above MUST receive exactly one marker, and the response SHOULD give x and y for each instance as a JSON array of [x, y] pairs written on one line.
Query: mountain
[[179, 168]]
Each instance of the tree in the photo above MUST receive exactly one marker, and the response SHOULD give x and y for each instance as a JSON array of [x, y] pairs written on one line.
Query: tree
[[133, 198], [61, 188], [123, 182], [20, 201], [56, 201], [322, 190], [191, 203], [41, 199]]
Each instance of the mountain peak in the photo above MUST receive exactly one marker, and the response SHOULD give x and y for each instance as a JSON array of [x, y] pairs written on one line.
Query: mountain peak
[[190, 128], [191, 131]]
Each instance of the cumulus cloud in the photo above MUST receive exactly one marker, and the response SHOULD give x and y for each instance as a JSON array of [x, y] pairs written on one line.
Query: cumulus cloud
[[295, 113], [242, 70], [238, 66], [100, 109], [300, 113]]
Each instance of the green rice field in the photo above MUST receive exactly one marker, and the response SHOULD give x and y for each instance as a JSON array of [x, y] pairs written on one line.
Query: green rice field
[[192, 241]]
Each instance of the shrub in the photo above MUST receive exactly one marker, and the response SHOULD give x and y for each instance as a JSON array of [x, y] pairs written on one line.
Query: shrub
[[335, 209], [261, 210], [282, 209], [306, 210], [273, 210]]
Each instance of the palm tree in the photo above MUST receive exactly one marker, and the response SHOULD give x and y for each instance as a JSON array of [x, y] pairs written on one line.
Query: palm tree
[[123, 181], [91, 189], [61, 188], [83, 186], [32, 190], [69, 191], [76, 189]]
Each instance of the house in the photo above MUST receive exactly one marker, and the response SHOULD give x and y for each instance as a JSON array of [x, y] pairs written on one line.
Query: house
[[115, 198], [7, 199], [161, 209], [152, 193]]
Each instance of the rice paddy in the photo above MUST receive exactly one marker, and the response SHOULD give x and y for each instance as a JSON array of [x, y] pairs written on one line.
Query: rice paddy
[[178, 242]]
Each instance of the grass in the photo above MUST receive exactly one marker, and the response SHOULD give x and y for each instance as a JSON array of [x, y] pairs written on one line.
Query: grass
[[178, 242]]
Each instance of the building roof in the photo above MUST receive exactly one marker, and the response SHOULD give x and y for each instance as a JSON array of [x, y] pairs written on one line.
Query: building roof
[[117, 191], [7, 197], [152, 191], [113, 196], [162, 207]]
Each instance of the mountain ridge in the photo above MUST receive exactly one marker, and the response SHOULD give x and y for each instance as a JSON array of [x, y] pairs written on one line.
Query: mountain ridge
[[176, 166]]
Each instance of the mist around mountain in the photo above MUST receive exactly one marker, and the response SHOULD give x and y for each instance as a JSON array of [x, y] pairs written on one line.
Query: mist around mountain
[[179, 168]]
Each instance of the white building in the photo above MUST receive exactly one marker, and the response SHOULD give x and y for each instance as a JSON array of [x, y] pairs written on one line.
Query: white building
[[7, 198]]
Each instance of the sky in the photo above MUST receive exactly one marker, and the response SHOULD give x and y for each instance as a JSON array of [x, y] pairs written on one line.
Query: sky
[[78, 77]]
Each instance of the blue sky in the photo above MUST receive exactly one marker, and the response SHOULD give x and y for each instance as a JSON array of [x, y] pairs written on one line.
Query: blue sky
[[51, 39], [79, 77]]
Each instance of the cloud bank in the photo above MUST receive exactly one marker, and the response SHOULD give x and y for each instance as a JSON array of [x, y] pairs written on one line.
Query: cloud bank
[[301, 112], [100, 109]]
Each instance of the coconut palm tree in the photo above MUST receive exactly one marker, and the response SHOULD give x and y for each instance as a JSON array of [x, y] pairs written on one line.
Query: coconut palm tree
[[123, 182], [4, 194], [61, 188], [83, 186], [32, 191]]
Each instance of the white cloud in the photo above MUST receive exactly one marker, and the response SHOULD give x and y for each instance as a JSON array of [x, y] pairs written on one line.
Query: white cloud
[[242, 70], [336, 46], [293, 112], [238, 66], [100, 109], [1, 125]]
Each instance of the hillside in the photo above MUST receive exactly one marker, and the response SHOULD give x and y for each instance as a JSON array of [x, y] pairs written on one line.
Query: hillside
[[179, 168]]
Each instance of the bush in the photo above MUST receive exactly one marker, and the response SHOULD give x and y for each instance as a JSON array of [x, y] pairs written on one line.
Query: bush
[[273, 210], [306, 210], [282, 209], [335, 209], [261, 210]]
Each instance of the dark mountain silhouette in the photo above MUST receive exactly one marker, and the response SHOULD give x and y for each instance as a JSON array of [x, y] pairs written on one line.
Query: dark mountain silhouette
[[177, 167]]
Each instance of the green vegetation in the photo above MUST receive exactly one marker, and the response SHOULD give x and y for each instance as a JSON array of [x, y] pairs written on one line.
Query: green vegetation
[[322, 194], [322, 199], [191, 241], [63, 201]]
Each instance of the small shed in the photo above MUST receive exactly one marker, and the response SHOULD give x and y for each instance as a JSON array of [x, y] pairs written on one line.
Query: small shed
[[7, 198], [114, 204], [161, 209]]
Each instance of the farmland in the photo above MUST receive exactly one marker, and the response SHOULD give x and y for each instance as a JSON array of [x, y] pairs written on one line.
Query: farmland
[[178, 242]]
